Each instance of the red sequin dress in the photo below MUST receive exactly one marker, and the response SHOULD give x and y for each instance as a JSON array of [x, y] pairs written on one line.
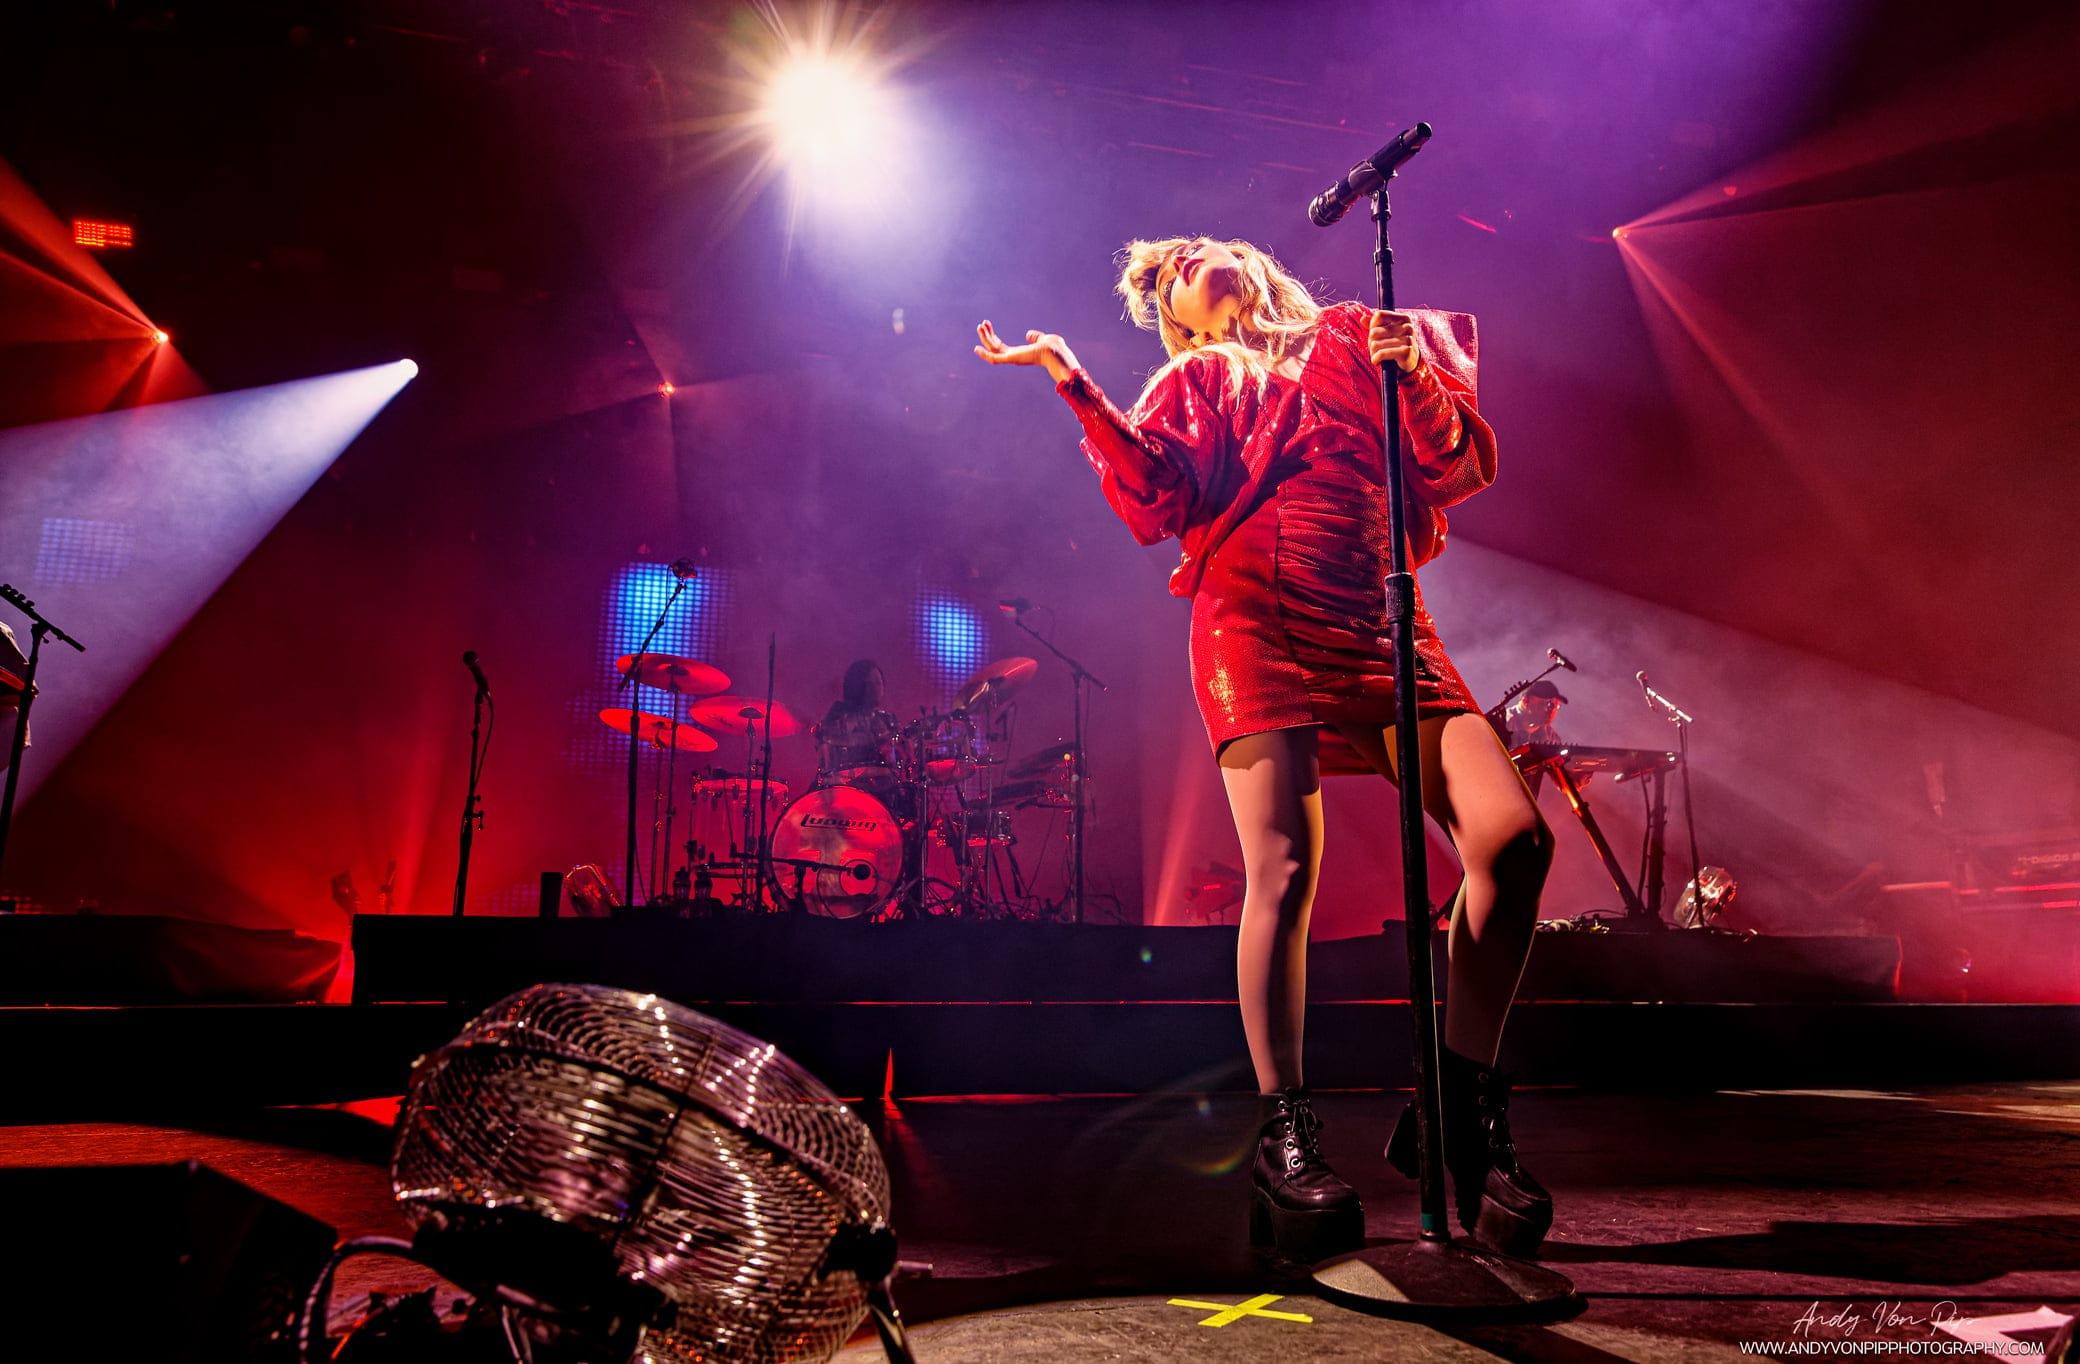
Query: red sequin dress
[[1278, 497]]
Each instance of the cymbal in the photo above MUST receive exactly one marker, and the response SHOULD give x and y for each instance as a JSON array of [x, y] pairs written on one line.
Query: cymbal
[[668, 672], [741, 715], [661, 731], [1043, 761], [995, 683]]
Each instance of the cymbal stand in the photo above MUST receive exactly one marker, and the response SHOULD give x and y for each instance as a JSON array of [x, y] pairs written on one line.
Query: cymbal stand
[[996, 734], [756, 834], [635, 742], [752, 851], [1079, 771], [38, 628], [660, 888], [910, 750]]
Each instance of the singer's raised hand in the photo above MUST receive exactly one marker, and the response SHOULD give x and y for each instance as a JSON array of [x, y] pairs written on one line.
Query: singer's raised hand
[[1393, 340], [1041, 348]]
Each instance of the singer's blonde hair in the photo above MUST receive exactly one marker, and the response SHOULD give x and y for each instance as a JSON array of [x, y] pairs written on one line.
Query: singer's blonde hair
[[1276, 315]]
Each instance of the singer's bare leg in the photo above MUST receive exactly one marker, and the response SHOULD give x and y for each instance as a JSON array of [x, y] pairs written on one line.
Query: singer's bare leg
[[1274, 793], [1472, 788]]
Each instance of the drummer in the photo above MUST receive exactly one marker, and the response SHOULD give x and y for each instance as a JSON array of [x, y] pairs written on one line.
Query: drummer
[[856, 731]]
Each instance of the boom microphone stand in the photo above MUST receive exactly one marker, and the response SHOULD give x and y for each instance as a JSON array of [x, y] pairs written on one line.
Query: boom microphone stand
[[635, 730], [38, 628], [1682, 720], [1432, 1277], [472, 809], [1079, 773]]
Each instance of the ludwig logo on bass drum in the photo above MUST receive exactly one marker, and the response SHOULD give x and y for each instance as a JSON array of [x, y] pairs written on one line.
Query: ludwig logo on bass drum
[[834, 822]]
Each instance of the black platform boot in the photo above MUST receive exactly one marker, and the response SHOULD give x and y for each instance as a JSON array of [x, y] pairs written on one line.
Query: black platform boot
[[1499, 1201], [1298, 1205]]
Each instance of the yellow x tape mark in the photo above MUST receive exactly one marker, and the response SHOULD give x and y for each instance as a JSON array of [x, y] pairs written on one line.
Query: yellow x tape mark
[[1224, 1315]]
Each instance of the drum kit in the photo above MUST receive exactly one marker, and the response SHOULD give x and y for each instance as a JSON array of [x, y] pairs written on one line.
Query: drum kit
[[902, 820]]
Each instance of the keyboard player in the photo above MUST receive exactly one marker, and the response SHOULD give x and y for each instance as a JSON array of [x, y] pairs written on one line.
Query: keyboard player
[[1529, 720]]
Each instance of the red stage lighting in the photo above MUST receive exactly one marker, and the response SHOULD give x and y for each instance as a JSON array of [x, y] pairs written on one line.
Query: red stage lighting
[[159, 338], [102, 236], [667, 388]]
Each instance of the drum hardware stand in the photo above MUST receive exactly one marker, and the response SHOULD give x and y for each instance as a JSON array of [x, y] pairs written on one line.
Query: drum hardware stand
[[753, 848], [472, 810], [997, 736], [39, 626], [1433, 1277], [917, 845], [1079, 771], [667, 887], [756, 834], [635, 728]]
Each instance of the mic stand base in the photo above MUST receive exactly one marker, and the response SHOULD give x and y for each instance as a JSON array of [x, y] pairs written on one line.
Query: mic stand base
[[1443, 1281]]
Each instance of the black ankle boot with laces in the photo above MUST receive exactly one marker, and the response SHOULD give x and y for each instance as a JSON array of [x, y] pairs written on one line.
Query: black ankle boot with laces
[[1298, 1205], [1499, 1201]]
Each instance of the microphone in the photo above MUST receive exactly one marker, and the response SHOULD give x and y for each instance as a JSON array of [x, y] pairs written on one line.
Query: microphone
[[1556, 656], [682, 569], [1660, 704], [1014, 606], [1365, 177], [469, 661]]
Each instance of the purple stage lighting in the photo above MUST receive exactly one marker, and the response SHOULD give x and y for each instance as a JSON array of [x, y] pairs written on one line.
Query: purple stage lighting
[[121, 525], [952, 642]]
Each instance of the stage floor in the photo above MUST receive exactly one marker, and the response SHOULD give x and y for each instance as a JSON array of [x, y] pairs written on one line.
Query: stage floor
[[1061, 1229]]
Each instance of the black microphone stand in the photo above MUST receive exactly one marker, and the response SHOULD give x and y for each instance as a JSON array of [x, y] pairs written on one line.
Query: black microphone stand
[[635, 730], [1682, 720], [1079, 772], [39, 626], [1432, 1277], [472, 814]]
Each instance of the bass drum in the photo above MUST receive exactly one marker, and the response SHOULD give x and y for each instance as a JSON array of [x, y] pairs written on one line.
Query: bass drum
[[856, 844]]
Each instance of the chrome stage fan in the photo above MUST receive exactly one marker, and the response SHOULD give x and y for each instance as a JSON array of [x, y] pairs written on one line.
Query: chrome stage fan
[[616, 1177]]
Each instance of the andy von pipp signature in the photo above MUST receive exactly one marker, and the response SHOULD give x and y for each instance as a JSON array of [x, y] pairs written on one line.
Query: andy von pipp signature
[[1851, 1318]]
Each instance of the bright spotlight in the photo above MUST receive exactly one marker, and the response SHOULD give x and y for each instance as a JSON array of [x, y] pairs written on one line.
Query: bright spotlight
[[667, 388], [831, 122], [160, 338], [409, 368]]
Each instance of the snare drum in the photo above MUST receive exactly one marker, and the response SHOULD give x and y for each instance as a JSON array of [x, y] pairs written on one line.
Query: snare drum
[[843, 849]]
